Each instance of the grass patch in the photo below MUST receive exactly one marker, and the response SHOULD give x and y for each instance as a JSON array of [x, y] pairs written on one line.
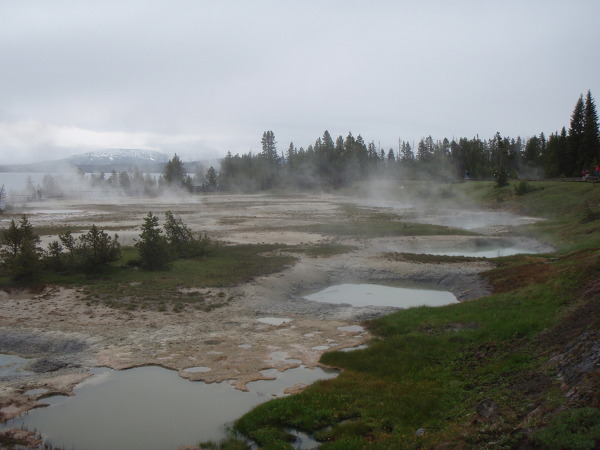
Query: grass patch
[[53, 230], [324, 250], [429, 259]]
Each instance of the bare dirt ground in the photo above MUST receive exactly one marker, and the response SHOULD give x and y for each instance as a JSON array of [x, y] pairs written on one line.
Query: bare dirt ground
[[65, 337]]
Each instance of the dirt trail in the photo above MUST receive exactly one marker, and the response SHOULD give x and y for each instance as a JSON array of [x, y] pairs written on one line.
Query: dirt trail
[[67, 337]]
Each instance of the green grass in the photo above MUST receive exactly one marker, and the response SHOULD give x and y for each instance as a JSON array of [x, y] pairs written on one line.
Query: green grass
[[430, 259], [324, 250]]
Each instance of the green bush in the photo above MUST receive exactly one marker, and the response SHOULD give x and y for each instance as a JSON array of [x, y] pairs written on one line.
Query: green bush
[[92, 252], [523, 188], [97, 249], [182, 241], [154, 249]]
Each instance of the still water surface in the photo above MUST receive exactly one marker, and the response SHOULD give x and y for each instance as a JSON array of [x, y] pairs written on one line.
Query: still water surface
[[12, 365], [151, 408], [378, 295]]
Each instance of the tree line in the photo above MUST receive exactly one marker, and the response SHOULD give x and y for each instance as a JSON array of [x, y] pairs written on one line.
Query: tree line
[[330, 163]]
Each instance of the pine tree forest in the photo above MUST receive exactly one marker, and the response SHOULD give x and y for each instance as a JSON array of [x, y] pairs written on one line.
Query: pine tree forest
[[332, 163]]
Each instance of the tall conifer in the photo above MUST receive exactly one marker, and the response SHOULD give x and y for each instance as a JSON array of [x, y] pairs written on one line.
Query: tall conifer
[[575, 158], [590, 140]]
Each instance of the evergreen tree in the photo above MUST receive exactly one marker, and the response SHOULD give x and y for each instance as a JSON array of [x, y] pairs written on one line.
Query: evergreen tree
[[113, 180], [182, 241], [19, 251], [573, 164], [211, 178], [153, 247], [269, 164], [269, 149], [174, 173], [533, 151], [590, 139], [2, 199], [391, 157], [179, 236], [125, 181], [554, 154], [425, 150], [406, 153], [96, 250]]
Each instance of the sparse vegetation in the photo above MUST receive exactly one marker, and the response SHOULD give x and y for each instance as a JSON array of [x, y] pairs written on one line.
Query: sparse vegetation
[[324, 250], [524, 187]]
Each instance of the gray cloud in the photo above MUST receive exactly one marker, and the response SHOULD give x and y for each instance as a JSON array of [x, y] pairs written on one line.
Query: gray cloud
[[215, 75]]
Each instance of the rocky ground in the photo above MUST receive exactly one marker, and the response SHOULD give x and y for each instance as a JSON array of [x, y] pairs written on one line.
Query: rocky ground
[[65, 337]]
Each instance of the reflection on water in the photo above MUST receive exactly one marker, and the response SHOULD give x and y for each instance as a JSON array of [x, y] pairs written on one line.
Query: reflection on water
[[377, 295], [151, 408]]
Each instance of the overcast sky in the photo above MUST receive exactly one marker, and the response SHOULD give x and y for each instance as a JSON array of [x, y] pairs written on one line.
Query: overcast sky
[[201, 78]]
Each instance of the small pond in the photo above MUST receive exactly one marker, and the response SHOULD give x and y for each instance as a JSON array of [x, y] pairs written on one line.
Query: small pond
[[152, 408], [378, 295]]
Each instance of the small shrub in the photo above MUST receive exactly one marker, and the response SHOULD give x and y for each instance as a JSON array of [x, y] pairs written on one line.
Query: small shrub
[[523, 188], [182, 241]]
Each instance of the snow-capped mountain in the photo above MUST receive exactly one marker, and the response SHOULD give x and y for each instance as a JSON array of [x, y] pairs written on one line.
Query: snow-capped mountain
[[120, 157], [148, 161]]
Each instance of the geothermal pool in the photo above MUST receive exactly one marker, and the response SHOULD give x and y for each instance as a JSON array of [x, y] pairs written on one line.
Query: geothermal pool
[[152, 408], [12, 365], [378, 295]]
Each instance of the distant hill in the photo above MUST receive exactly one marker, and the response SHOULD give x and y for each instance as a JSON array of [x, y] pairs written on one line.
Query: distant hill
[[147, 161], [122, 156], [98, 161]]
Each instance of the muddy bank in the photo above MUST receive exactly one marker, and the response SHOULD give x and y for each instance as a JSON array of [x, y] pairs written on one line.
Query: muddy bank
[[64, 336]]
